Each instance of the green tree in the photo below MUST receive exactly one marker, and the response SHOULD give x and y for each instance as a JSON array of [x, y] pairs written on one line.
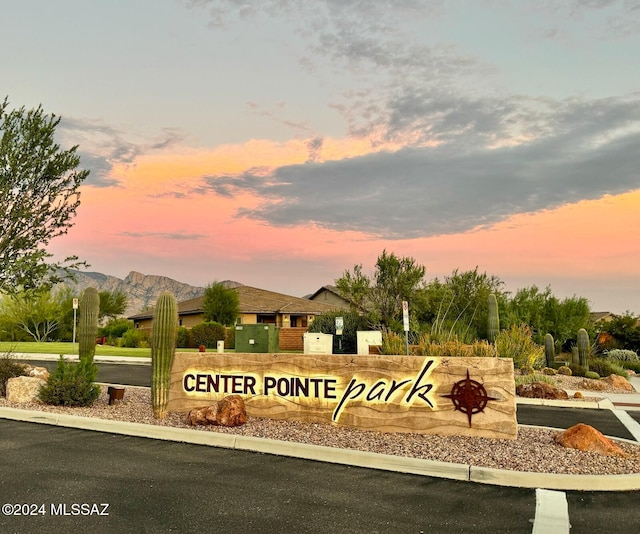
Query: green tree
[[115, 328], [208, 334], [220, 304], [355, 287], [64, 296], [36, 312], [459, 304], [546, 314], [112, 304], [395, 279], [626, 331], [39, 196]]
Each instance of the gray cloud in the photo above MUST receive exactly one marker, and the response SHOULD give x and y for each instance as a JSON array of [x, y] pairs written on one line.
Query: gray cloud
[[496, 154], [455, 187], [101, 146]]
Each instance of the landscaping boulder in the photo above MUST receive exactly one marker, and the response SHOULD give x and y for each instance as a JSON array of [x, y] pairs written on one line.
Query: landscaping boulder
[[619, 382], [540, 390], [586, 438], [592, 384], [39, 372], [230, 411], [24, 388]]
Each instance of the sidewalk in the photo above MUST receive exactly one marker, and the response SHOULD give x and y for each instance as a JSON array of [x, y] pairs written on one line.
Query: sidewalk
[[625, 401]]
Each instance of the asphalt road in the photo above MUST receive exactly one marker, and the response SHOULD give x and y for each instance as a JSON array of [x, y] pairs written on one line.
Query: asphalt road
[[155, 486], [603, 420]]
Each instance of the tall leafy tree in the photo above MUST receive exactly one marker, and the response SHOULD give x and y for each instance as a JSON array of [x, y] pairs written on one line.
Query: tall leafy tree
[[458, 304], [112, 304], [355, 287], [220, 304], [36, 312], [395, 279], [39, 196], [546, 314]]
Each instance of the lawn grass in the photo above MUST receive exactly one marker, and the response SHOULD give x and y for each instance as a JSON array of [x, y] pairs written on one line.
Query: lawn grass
[[70, 348], [54, 347]]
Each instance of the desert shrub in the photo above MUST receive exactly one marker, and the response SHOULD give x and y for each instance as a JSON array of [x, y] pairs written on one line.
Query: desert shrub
[[577, 369], [621, 355], [208, 334], [135, 338], [71, 384], [564, 370], [9, 368], [517, 343], [530, 379], [634, 366], [591, 374], [452, 348], [184, 340], [483, 349], [606, 368], [392, 343], [353, 321], [115, 328]]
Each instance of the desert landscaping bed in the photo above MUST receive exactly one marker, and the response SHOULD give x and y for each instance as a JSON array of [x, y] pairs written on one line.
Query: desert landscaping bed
[[534, 450]]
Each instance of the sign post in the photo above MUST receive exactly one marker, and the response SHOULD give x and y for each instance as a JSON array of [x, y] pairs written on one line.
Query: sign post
[[75, 313], [339, 328], [405, 320]]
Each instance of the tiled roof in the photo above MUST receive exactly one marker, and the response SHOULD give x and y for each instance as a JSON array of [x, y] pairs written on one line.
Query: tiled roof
[[598, 316], [255, 300]]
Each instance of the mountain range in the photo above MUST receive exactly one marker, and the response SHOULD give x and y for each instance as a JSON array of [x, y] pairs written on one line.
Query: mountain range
[[142, 290]]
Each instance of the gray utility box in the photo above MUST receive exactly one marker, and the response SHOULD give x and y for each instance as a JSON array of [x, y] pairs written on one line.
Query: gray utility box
[[257, 338]]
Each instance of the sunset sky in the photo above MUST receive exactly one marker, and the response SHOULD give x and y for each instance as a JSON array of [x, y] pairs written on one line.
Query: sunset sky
[[279, 142]]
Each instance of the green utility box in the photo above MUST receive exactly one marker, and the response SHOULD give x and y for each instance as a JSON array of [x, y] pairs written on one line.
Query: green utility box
[[257, 338]]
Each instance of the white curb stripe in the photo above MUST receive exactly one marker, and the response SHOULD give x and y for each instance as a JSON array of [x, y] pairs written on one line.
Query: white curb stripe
[[632, 425], [552, 512]]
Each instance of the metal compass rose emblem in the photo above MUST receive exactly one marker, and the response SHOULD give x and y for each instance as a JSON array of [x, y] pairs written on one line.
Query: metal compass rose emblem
[[469, 396]]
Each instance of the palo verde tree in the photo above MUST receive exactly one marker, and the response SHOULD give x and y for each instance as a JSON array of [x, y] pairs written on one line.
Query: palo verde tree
[[220, 304], [39, 196], [546, 314], [458, 305], [36, 312], [395, 279]]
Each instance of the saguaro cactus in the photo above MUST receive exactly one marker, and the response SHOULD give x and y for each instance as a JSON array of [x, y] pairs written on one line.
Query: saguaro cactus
[[549, 349], [88, 308], [575, 355], [163, 347], [583, 348], [493, 323]]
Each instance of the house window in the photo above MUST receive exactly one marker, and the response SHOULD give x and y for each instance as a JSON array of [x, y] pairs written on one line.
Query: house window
[[180, 322]]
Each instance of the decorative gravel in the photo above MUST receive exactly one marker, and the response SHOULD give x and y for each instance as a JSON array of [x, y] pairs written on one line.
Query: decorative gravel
[[534, 449]]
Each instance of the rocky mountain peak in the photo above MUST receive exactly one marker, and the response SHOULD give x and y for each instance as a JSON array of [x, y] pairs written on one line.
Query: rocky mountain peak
[[142, 290]]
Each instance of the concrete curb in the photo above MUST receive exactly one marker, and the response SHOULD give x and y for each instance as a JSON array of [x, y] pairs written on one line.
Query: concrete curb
[[132, 360], [463, 472], [604, 404]]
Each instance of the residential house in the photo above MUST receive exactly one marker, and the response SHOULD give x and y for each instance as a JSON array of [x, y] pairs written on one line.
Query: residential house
[[330, 295], [257, 306]]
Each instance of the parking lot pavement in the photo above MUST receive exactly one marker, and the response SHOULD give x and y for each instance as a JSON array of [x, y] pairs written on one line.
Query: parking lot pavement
[[604, 420], [155, 486], [70, 479]]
